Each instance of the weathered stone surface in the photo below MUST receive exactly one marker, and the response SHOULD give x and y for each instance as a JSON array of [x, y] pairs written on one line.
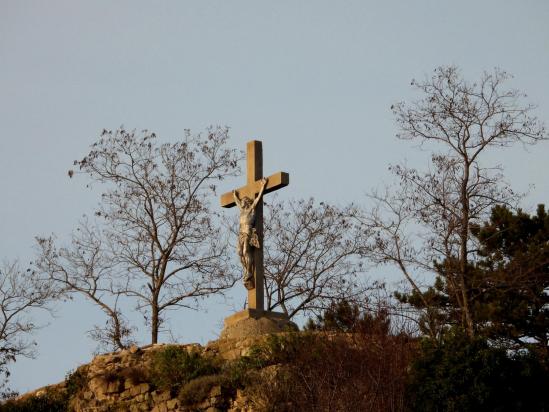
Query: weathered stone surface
[[113, 387], [160, 408], [144, 387], [161, 396], [250, 323], [215, 391], [135, 390], [126, 394]]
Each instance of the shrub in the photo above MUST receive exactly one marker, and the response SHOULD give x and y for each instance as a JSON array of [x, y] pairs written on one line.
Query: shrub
[[173, 366], [330, 372], [279, 348], [75, 381], [198, 389], [51, 401], [236, 372], [464, 374]]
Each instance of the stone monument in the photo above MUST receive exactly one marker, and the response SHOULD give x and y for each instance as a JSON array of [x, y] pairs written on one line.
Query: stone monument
[[254, 320]]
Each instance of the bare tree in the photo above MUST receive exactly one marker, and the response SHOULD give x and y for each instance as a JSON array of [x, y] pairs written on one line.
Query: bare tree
[[21, 293], [159, 244], [423, 225], [85, 268], [311, 256]]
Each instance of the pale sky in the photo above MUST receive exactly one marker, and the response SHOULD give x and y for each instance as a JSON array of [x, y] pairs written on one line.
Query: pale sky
[[313, 80]]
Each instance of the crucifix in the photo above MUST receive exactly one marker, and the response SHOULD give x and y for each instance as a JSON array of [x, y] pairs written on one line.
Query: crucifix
[[249, 200]]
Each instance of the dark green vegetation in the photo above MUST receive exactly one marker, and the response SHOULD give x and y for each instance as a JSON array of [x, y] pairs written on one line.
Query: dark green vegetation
[[508, 283], [504, 367], [514, 272], [51, 401], [464, 374]]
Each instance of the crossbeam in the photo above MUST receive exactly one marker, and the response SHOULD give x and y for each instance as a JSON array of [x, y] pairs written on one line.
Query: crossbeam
[[275, 182]]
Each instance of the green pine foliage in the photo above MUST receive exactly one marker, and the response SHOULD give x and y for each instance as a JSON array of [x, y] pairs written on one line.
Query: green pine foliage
[[506, 284], [343, 316], [467, 374], [513, 307]]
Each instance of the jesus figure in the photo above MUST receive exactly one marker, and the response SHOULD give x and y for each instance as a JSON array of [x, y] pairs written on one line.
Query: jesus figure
[[247, 236]]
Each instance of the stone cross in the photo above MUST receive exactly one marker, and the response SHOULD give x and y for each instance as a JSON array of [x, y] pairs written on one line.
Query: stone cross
[[254, 160]]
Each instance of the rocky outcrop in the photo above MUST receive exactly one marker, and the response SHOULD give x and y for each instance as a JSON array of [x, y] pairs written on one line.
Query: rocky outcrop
[[116, 382]]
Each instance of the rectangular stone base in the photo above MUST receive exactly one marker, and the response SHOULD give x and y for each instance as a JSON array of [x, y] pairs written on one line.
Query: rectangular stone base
[[254, 314]]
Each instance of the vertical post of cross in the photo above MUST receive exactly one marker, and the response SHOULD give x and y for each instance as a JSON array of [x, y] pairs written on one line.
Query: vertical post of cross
[[254, 171]]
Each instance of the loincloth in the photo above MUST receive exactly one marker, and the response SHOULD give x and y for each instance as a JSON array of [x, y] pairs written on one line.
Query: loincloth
[[251, 238]]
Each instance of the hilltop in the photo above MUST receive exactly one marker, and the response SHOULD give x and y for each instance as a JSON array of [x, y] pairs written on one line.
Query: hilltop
[[279, 372]]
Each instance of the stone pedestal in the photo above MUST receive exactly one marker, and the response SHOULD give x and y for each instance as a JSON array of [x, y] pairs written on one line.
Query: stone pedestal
[[252, 322]]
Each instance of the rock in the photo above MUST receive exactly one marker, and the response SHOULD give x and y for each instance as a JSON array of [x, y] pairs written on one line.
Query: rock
[[135, 390], [161, 396], [215, 391], [160, 408], [98, 386], [113, 387], [172, 404], [126, 394]]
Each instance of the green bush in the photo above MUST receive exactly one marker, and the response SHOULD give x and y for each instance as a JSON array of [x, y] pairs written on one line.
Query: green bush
[[282, 348], [237, 372], [51, 401], [198, 389], [75, 381], [173, 366], [463, 374]]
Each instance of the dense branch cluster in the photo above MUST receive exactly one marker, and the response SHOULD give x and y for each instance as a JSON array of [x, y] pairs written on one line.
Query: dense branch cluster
[[156, 241], [312, 255], [21, 293]]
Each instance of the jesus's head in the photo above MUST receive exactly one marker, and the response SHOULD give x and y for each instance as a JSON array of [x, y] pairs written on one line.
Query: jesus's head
[[246, 202]]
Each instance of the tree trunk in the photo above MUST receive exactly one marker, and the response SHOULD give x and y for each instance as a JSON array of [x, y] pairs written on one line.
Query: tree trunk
[[117, 331], [467, 321], [154, 321]]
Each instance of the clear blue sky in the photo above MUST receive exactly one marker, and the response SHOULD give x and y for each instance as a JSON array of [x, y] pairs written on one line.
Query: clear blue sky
[[313, 79]]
